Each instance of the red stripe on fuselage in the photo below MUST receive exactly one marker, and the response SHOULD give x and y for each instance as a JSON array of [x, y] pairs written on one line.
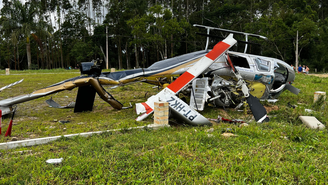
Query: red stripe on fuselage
[[180, 82], [217, 50], [148, 109]]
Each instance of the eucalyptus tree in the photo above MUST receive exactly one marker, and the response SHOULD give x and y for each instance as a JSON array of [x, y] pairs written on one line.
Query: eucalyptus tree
[[96, 8], [14, 37], [8, 32], [23, 18], [156, 28], [322, 9], [118, 14], [74, 31], [322, 46]]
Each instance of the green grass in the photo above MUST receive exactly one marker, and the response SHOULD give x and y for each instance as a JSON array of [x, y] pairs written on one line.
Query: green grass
[[282, 151]]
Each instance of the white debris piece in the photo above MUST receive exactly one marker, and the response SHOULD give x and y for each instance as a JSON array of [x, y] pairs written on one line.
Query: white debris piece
[[308, 110], [270, 100], [54, 161], [312, 122]]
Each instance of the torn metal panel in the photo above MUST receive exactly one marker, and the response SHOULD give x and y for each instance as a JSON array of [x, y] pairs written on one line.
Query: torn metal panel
[[54, 104]]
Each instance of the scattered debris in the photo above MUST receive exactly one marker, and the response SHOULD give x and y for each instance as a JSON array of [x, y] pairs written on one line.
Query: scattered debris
[[291, 106], [54, 104], [226, 134], [54, 161], [63, 121], [270, 100], [14, 139], [224, 120], [284, 137], [227, 130], [210, 130], [33, 136], [213, 121], [308, 110], [23, 152], [244, 125], [312, 122], [221, 119]]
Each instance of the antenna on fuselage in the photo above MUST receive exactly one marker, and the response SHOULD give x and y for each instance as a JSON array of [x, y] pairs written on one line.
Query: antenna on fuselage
[[208, 28]]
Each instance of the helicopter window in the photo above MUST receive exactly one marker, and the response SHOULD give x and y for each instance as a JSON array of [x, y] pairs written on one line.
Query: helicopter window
[[281, 75], [262, 65], [239, 61], [280, 69]]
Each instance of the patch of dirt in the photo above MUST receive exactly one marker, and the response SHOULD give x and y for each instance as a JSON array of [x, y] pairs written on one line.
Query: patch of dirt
[[320, 75], [271, 108], [223, 113]]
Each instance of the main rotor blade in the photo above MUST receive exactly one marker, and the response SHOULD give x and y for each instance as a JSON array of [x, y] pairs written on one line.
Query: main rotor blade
[[10, 85], [259, 112]]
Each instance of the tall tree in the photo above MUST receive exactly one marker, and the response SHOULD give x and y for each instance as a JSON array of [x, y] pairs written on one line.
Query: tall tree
[[22, 17]]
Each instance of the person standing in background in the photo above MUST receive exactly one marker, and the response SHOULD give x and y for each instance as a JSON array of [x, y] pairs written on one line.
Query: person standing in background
[[299, 69], [307, 69]]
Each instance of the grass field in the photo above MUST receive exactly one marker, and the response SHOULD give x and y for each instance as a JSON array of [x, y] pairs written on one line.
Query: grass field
[[282, 151]]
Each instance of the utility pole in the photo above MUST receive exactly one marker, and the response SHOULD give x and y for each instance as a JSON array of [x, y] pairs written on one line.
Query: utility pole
[[296, 52], [106, 47]]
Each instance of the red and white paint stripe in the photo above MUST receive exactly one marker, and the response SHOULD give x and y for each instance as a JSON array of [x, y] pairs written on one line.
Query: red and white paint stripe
[[176, 86]]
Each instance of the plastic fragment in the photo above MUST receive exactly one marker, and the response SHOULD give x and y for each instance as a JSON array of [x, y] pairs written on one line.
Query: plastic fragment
[[54, 161]]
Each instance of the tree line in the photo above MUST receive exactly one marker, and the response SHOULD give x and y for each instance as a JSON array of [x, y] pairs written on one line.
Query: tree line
[[41, 34]]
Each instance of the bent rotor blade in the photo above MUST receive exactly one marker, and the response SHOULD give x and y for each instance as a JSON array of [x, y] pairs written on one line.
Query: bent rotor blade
[[10, 85], [175, 87], [292, 89], [258, 110]]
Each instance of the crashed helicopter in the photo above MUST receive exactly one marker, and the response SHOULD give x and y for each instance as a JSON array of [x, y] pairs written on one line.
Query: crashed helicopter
[[218, 76]]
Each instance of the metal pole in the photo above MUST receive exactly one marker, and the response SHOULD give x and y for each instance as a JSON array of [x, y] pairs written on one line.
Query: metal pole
[[246, 37], [106, 47], [207, 39], [296, 51]]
